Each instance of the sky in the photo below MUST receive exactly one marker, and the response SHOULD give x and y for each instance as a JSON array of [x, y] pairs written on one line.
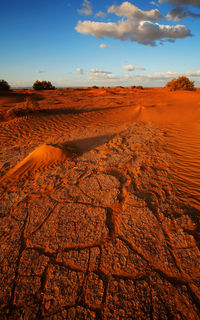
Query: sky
[[81, 43]]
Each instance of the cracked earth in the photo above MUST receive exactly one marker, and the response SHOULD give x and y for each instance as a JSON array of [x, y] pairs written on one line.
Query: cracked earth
[[91, 228]]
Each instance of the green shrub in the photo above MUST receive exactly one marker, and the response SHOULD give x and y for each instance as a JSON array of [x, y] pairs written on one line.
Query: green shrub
[[181, 83], [4, 86], [43, 85]]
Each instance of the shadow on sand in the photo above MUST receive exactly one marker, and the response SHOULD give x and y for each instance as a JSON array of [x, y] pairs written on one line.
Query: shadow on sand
[[15, 97], [60, 111], [81, 146], [34, 110]]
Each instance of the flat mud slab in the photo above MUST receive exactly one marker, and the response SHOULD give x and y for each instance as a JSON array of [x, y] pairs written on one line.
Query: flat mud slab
[[99, 235]]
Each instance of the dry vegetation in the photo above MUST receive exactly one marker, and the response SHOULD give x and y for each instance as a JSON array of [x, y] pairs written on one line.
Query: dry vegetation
[[182, 83], [4, 86], [43, 85]]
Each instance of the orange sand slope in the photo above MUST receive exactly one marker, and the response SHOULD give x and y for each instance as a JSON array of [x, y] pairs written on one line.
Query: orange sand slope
[[42, 157], [100, 205]]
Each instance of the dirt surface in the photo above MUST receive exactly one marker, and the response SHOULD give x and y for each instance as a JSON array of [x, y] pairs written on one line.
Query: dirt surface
[[91, 225]]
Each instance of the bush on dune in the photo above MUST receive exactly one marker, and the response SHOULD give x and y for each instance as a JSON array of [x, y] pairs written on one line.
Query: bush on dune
[[4, 86], [43, 85], [137, 87], [140, 87], [181, 83]]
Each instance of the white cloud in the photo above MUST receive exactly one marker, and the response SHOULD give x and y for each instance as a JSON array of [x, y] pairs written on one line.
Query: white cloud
[[179, 13], [80, 70], [103, 46], [162, 75], [130, 67], [98, 74], [149, 80], [193, 73], [132, 12], [158, 77], [195, 3], [93, 70], [143, 32], [87, 8], [154, 3], [100, 14], [103, 77]]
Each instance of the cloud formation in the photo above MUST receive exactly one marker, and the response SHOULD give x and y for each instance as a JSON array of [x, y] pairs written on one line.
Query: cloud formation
[[103, 77], [80, 70], [193, 73], [153, 78], [154, 3], [179, 13], [93, 70], [98, 74], [103, 46], [195, 3], [130, 11], [100, 14], [130, 67], [143, 32], [87, 8]]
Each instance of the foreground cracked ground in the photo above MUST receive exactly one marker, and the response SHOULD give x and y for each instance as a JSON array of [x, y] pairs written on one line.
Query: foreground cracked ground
[[100, 235]]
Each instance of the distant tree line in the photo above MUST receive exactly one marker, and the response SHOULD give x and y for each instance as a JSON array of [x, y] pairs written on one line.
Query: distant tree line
[[181, 83], [38, 85]]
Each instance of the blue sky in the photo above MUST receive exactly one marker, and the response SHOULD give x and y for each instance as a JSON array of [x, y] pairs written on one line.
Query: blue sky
[[103, 43]]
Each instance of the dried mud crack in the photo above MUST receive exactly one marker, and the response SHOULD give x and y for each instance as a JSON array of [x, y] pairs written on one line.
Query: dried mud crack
[[100, 235]]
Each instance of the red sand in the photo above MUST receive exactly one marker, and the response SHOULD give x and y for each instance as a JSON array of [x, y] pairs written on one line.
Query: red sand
[[100, 204]]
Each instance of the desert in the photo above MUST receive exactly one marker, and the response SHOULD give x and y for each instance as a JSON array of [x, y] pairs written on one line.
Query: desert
[[100, 204]]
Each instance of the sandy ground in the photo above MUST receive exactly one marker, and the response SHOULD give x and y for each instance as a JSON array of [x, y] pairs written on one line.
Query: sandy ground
[[91, 224]]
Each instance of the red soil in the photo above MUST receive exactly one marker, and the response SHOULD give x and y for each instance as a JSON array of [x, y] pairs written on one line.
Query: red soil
[[99, 203]]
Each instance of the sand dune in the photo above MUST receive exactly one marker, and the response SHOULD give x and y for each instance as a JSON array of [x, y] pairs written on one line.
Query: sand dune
[[100, 204], [42, 157]]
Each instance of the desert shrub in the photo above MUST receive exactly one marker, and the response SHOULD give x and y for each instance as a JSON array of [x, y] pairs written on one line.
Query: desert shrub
[[139, 87], [4, 86], [181, 83], [43, 85]]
